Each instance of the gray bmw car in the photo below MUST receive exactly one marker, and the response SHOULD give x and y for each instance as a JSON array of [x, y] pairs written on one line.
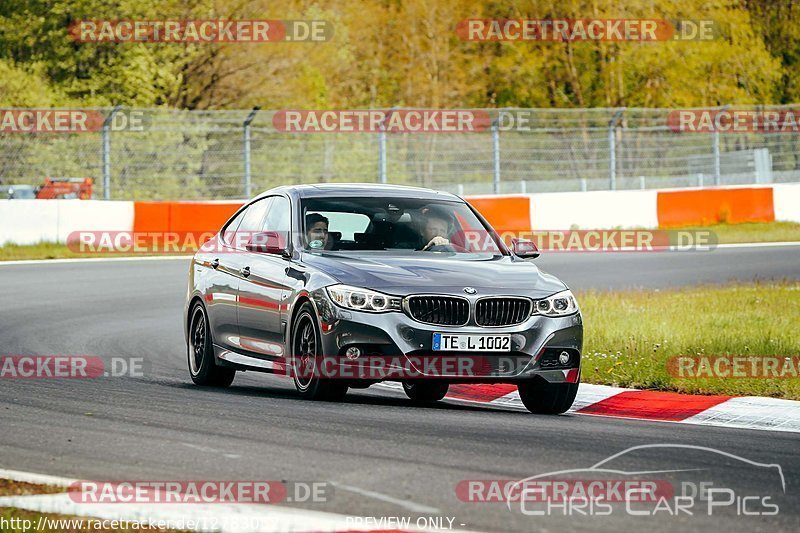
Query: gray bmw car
[[342, 286]]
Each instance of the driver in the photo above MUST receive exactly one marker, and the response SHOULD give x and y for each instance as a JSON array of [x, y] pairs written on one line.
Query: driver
[[435, 228], [316, 231]]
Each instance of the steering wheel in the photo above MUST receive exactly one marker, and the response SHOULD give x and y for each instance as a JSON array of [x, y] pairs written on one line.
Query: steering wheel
[[447, 248]]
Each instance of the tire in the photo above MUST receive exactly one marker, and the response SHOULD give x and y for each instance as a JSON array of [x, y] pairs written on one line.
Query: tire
[[306, 350], [541, 397], [203, 369], [422, 392]]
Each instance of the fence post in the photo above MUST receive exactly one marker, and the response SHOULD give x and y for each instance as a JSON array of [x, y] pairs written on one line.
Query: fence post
[[248, 184], [612, 148], [715, 147], [107, 153], [382, 154], [496, 154], [642, 183]]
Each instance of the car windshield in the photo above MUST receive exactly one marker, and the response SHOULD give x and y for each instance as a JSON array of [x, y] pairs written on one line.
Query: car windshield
[[374, 224]]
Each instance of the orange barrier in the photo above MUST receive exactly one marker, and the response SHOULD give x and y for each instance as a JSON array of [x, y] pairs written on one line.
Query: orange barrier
[[505, 213], [151, 216], [697, 207], [702, 207], [181, 218]]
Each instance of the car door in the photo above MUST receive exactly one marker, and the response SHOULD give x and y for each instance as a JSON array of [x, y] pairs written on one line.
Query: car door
[[220, 284], [263, 289], [224, 273]]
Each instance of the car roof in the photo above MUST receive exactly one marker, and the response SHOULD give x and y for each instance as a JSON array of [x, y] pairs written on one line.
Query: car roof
[[323, 190]]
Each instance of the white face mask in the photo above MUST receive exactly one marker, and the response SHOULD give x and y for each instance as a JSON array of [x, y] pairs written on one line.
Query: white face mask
[[315, 244]]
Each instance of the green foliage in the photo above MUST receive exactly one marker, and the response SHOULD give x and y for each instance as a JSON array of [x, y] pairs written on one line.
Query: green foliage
[[399, 53]]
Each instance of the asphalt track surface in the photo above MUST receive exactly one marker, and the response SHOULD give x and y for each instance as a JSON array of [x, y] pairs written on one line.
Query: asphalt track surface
[[388, 458]]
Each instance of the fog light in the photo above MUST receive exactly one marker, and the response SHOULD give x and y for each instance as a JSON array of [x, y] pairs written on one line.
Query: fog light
[[352, 353], [563, 357]]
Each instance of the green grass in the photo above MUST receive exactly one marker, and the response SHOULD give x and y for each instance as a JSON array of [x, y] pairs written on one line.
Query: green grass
[[57, 523], [51, 250], [752, 232], [630, 335], [14, 518]]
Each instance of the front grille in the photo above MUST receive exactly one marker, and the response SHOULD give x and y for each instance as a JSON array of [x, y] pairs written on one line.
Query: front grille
[[502, 311], [439, 310]]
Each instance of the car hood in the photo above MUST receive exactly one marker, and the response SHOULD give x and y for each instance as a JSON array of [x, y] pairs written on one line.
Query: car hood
[[420, 272]]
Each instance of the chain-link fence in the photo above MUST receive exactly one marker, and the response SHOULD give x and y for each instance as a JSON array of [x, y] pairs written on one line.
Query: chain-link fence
[[234, 154]]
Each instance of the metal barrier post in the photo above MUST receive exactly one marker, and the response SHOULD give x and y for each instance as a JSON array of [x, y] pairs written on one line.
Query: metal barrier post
[[612, 149], [107, 153], [715, 147], [248, 185], [496, 155], [382, 154]]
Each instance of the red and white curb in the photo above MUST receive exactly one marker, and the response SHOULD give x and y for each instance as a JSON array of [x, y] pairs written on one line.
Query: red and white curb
[[218, 517], [748, 412]]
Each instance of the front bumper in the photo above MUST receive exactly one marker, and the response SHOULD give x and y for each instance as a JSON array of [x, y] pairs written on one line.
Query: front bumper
[[397, 339]]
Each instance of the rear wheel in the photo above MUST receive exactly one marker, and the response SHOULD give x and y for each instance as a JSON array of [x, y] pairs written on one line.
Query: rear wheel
[[306, 354], [202, 367], [541, 397], [421, 392]]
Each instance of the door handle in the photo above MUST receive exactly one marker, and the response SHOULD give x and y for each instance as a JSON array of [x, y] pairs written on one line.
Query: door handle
[[214, 264], [245, 271]]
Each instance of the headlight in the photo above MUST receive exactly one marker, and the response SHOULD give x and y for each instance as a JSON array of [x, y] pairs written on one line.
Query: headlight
[[363, 299], [560, 304]]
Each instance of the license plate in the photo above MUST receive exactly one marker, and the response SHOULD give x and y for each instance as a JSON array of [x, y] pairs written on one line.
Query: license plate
[[448, 342]]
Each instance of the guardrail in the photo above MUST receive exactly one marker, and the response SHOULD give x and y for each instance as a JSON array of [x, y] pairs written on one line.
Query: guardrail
[[159, 154], [33, 221]]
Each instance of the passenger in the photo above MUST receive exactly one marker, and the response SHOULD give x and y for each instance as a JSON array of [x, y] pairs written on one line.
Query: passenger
[[317, 231]]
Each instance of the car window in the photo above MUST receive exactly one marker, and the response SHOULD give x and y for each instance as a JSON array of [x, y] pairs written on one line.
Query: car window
[[230, 228], [254, 217], [278, 215], [374, 224], [348, 224], [251, 222]]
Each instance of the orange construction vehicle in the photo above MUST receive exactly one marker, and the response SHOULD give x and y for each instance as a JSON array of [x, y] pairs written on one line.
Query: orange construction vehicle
[[80, 188]]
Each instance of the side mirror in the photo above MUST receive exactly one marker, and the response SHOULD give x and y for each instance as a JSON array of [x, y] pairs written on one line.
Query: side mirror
[[268, 242], [524, 249]]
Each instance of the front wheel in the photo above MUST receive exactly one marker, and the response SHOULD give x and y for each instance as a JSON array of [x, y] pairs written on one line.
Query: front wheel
[[202, 367], [421, 392], [306, 356], [545, 398]]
